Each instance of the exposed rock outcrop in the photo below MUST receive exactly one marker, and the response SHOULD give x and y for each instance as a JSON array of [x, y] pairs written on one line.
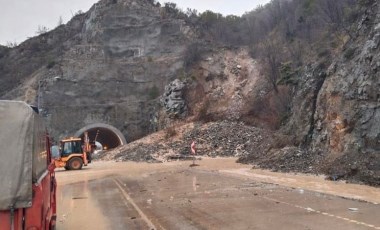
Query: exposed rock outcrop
[[348, 107], [335, 112], [173, 100]]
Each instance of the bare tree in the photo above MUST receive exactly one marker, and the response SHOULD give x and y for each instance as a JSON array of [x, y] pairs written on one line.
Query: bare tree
[[337, 14], [275, 12], [11, 44], [271, 52], [250, 21], [296, 51], [41, 30], [60, 21]]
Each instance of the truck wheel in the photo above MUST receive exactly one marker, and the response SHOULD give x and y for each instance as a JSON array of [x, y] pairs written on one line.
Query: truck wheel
[[75, 163], [52, 225]]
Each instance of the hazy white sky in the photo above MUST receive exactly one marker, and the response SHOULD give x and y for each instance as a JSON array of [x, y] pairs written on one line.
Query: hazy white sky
[[19, 19]]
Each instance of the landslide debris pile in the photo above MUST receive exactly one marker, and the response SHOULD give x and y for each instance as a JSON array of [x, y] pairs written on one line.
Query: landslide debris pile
[[252, 145], [227, 139], [219, 139], [212, 139], [286, 159]]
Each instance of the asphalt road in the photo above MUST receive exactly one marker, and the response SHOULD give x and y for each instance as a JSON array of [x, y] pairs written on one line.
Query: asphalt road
[[217, 194]]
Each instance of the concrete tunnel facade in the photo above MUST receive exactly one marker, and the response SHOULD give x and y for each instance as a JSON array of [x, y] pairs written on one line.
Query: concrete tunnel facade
[[107, 135]]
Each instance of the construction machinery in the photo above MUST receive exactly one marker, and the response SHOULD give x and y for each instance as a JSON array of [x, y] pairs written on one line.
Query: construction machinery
[[74, 153], [28, 185]]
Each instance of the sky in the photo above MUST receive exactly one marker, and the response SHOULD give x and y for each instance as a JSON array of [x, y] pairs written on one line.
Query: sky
[[20, 19]]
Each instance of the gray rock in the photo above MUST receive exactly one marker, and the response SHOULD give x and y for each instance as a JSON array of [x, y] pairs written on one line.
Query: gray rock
[[172, 99]]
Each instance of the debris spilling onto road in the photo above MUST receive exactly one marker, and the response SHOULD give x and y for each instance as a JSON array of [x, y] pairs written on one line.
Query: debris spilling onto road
[[225, 139], [251, 145], [213, 139]]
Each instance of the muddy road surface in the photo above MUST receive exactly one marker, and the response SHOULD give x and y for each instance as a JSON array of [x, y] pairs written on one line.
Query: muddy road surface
[[217, 194]]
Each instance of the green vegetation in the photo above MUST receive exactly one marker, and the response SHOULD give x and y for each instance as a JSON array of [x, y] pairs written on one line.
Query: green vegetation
[[349, 53], [50, 64], [193, 54], [288, 74], [153, 92]]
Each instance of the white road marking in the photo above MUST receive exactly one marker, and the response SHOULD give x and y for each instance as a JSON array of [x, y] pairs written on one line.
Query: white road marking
[[324, 213], [130, 200]]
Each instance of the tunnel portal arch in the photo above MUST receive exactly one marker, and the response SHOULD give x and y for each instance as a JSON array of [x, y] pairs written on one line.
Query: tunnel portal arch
[[109, 136]]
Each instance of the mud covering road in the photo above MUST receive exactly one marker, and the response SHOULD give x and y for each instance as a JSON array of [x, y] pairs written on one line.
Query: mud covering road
[[217, 194]]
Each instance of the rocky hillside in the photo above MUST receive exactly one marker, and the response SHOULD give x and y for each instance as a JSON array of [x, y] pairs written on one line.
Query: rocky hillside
[[105, 66], [330, 125], [290, 86], [347, 115]]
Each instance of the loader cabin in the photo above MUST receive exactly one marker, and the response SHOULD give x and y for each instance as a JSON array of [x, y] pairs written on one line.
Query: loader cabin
[[71, 146]]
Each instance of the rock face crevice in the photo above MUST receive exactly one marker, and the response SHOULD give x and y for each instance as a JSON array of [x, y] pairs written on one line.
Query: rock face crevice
[[318, 86], [302, 122]]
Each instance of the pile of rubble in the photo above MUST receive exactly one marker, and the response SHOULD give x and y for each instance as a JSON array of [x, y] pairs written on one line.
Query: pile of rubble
[[212, 139], [139, 152], [228, 139], [251, 145], [287, 159]]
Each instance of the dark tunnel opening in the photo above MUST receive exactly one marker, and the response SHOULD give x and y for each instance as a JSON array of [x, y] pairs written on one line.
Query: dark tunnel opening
[[106, 137]]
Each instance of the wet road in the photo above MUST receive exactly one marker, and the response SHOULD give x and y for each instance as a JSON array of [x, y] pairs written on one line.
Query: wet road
[[217, 194]]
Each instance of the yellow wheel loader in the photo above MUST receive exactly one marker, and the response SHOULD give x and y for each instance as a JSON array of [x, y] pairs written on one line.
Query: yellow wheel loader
[[74, 153]]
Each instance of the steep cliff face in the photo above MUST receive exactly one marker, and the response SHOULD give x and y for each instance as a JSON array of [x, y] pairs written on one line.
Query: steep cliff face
[[112, 66], [335, 110], [347, 117]]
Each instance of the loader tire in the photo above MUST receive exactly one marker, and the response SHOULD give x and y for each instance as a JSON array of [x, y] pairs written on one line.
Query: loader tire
[[75, 163]]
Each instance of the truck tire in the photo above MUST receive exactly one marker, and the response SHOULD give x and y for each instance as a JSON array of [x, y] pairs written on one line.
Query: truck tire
[[67, 168], [52, 225], [75, 163]]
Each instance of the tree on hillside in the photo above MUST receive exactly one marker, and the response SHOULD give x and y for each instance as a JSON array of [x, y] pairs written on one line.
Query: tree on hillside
[[271, 52], [60, 21], [171, 9], [11, 44], [41, 30], [192, 16], [211, 23], [249, 22], [338, 14], [193, 54]]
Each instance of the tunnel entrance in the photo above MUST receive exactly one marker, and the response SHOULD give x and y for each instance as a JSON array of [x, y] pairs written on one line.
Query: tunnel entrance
[[108, 136]]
